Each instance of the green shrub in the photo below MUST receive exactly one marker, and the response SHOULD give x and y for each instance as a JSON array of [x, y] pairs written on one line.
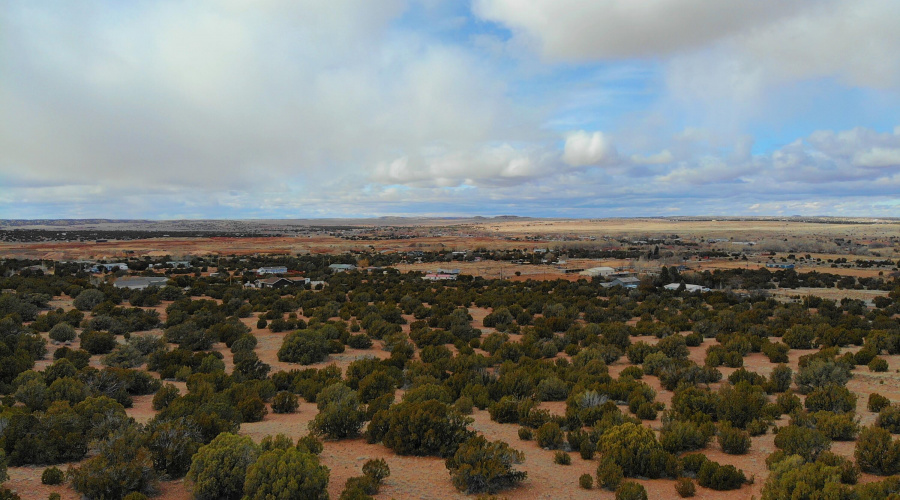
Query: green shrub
[[609, 475], [646, 411], [96, 342], [792, 478], [479, 465], [685, 487], [780, 379], [62, 332], [526, 434], [877, 453], [339, 414], [832, 397], [52, 496], [720, 477], [777, 352], [632, 371], [587, 448], [586, 481], [820, 373], [679, 435], [803, 441], [740, 404], [52, 475], [289, 473], [629, 490], [122, 465], [788, 402], [285, 402], [837, 426], [635, 449], [550, 436], [304, 347], [218, 469], [311, 444], [733, 441], [424, 428], [377, 469], [562, 458], [878, 365], [877, 402]]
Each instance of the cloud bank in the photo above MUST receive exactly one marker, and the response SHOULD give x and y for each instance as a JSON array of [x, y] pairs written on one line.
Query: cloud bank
[[559, 108]]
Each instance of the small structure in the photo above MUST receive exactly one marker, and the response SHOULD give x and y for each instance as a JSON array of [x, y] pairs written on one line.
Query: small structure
[[447, 271], [687, 287], [779, 265], [598, 271], [342, 268], [114, 266], [141, 282], [279, 282], [626, 282], [272, 270], [440, 277]]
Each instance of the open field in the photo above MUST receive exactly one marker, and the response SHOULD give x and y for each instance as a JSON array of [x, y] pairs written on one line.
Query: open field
[[427, 477]]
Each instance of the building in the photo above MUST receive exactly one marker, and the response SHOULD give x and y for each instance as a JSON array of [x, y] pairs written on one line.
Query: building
[[141, 282], [626, 282], [687, 287], [272, 270], [342, 268], [114, 266], [279, 282], [447, 271], [777, 265], [598, 271], [174, 264], [440, 277]]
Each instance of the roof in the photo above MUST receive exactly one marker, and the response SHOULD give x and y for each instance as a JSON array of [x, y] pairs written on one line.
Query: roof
[[598, 271], [141, 281]]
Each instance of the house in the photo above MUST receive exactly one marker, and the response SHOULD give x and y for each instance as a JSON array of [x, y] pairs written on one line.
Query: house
[[439, 277], [687, 287], [141, 282], [115, 266], [272, 270], [598, 271], [279, 282], [342, 268], [626, 282], [174, 264], [447, 271]]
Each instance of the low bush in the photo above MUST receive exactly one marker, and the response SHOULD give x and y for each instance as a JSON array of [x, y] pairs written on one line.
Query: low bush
[[685, 487], [629, 490], [733, 441], [285, 402], [52, 475], [562, 458], [720, 477], [550, 436], [526, 434], [877, 453], [479, 465], [878, 365], [586, 481], [609, 475], [877, 402]]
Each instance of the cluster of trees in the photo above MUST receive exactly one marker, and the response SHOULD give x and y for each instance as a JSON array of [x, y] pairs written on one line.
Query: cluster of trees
[[446, 367]]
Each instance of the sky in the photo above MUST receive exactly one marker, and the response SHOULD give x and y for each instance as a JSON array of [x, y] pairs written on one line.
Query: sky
[[186, 109]]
